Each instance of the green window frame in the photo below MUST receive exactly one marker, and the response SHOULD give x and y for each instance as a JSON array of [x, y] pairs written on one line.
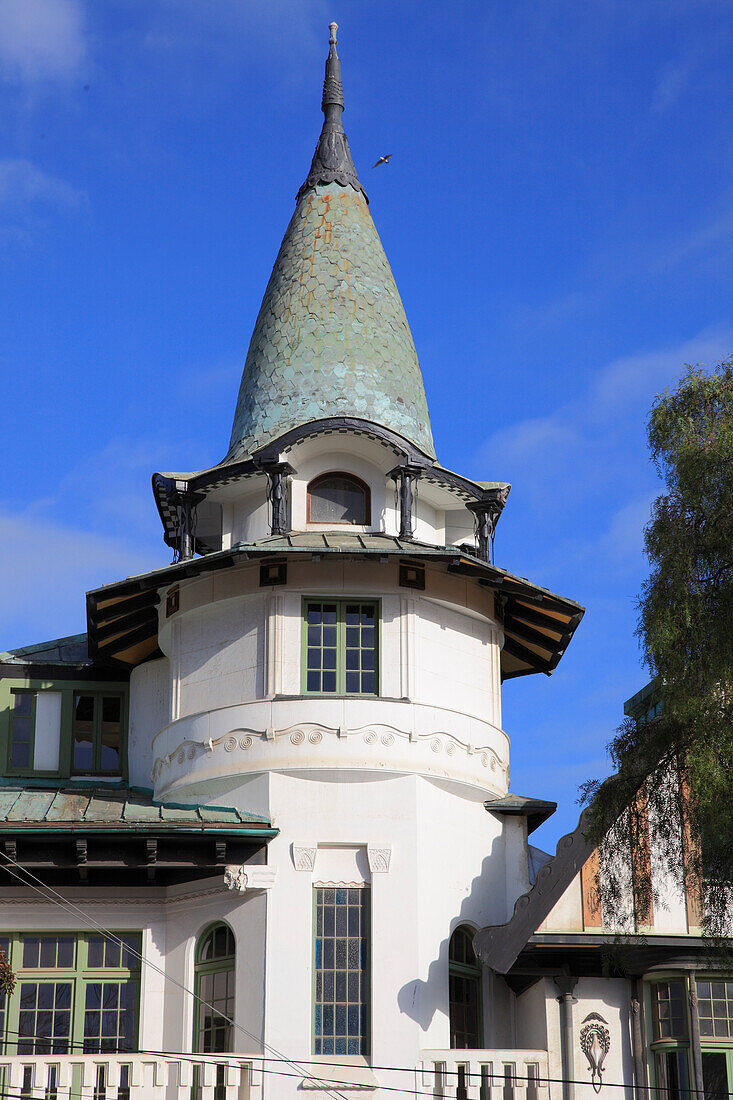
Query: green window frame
[[22, 716], [214, 983], [75, 992], [464, 991], [340, 647], [341, 969], [100, 731], [215, 975]]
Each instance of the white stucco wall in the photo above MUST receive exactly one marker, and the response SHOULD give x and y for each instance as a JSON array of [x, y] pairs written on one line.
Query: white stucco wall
[[149, 711]]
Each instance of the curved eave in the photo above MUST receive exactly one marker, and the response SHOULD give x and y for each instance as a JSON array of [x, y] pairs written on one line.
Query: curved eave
[[165, 485], [122, 618]]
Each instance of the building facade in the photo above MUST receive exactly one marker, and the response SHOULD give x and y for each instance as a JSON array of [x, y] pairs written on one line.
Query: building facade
[[257, 825]]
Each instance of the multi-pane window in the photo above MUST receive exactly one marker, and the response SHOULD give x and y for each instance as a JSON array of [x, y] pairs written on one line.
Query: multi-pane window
[[22, 725], [341, 964], [97, 733], [464, 993], [668, 1002], [715, 1008], [73, 993], [215, 990], [338, 498], [341, 647]]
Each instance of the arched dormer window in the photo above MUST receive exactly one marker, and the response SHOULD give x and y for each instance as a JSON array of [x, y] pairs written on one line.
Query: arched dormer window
[[215, 957], [339, 498], [464, 991]]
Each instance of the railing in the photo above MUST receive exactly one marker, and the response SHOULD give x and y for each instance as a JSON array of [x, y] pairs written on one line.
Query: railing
[[129, 1077], [485, 1074]]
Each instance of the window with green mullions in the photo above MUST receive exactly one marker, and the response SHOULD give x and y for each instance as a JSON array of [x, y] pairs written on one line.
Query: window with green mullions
[[341, 647], [74, 993]]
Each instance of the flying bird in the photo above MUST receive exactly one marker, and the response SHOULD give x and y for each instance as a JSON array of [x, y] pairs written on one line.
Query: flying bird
[[382, 160]]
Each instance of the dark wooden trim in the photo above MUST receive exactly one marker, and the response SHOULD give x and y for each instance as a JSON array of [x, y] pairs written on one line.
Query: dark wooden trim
[[511, 645], [366, 522], [110, 627], [529, 634]]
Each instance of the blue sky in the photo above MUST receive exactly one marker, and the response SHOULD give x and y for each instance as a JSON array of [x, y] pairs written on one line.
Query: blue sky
[[558, 213]]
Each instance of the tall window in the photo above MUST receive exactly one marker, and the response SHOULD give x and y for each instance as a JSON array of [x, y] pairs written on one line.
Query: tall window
[[464, 993], [22, 726], [215, 958], [339, 498], [214, 988], [97, 732], [75, 992], [341, 962], [341, 647]]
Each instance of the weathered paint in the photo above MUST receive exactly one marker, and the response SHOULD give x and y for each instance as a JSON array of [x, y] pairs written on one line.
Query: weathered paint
[[331, 338]]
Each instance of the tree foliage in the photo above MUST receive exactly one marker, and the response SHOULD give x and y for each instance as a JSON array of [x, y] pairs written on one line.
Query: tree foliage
[[686, 634]]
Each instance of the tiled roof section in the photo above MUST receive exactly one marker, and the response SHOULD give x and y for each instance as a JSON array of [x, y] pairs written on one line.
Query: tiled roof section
[[115, 808], [331, 338], [59, 651]]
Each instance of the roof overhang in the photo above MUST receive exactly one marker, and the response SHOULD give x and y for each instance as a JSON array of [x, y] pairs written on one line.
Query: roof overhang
[[122, 618], [167, 486], [536, 810]]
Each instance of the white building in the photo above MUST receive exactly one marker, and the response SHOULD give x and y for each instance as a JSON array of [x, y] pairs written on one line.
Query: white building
[[276, 768]]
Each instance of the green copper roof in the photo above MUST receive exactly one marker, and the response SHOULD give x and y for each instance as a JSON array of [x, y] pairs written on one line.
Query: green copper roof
[[331, 338]]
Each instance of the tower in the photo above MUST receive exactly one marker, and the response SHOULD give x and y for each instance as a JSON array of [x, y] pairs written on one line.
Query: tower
[[327, 651]]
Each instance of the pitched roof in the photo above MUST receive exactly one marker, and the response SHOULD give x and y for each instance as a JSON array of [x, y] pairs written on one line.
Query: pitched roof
[[95, 808], [59, 651], [331, 338]]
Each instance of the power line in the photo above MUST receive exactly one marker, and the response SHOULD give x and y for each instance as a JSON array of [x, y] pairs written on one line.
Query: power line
[[58, 899], [62, 902]]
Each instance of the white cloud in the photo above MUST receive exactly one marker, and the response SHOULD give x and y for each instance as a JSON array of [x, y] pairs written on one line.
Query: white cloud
[[24, 185], [634, 378], [41, 40], [47, 568]]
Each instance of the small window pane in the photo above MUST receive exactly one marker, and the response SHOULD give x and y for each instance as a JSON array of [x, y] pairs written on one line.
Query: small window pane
[[337, 498]]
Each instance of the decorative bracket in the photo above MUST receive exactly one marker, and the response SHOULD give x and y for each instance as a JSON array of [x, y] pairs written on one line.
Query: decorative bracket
[[487, 512], [277, 475], [304, 855], [379, 857], [241, 877], [405, 478]]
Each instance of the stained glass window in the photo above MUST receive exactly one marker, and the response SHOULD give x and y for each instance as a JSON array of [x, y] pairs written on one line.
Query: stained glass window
[[341, 958]]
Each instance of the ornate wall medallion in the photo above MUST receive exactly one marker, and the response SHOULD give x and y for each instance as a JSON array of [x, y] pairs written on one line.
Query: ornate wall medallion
[[595, 1042]]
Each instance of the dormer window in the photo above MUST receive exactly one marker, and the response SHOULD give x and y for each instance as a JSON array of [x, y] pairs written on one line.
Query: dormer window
[[339, 498]]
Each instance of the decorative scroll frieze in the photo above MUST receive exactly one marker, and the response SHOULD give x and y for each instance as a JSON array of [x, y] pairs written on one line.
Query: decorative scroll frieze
[[308, 736]]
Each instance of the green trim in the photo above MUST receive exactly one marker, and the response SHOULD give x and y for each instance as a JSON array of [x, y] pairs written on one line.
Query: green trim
[[14, 693], [341, 605], [223, 964], [80, 975], [11, 686]]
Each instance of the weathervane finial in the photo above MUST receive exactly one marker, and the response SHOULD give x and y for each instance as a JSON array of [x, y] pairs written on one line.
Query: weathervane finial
[[332, 160]]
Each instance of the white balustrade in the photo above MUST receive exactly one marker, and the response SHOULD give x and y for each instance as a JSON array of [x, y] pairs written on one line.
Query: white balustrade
[[484, 1074], [129, 1077]]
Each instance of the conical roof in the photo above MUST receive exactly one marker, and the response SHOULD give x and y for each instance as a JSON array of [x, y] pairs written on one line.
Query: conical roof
[[331, 338]]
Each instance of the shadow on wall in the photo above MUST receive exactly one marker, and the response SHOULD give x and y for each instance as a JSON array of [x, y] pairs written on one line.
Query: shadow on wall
[[484, 904]]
